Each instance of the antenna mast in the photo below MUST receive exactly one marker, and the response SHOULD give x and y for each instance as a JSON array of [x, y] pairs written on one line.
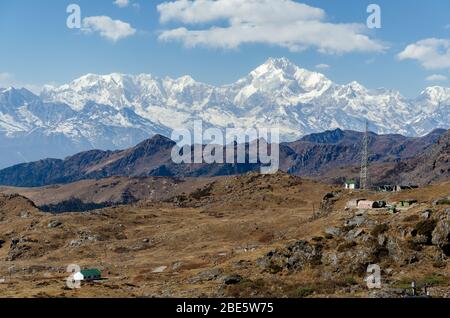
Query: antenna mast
[[364, 183]]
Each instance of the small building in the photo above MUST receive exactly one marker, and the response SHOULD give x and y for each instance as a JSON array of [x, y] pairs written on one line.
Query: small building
[[396, 188], [387, 188], [350, 184], [354, 203], [91, 274], [366, 204], [401, 187]]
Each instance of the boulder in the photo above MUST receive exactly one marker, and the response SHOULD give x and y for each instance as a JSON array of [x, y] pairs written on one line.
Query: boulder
[[420, 239], [54, 223], [159, 269], [354, 234], [302, 253], [333, 231], [356, 221], [399, 253], [232, 279], [177, 265], [425, 228], [74, 243], [207, 275], [381, 239], [441, 236], [349, 261], [426, 214], [293, 257], [24, 214]]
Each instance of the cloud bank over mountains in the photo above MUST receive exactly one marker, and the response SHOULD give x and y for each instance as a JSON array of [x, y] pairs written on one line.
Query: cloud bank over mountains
[[284, 23]]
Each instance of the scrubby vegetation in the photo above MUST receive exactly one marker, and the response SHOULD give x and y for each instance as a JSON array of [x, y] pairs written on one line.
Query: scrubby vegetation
[[379, 229], [443, 202], [73, 205]]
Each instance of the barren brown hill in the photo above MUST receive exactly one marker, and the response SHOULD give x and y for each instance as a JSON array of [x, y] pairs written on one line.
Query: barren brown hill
[[314, 155], [244, 236], [113, 190]]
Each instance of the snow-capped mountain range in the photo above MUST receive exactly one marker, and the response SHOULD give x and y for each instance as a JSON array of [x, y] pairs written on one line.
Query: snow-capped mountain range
[[117, 110]]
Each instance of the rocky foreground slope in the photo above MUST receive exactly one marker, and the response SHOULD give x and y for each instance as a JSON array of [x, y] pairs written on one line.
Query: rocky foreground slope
[[243, 236]]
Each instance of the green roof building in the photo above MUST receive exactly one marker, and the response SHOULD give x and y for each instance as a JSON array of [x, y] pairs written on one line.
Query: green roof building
[[91, 274]]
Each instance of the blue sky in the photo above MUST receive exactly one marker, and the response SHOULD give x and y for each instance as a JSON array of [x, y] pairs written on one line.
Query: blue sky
[[37, 48]]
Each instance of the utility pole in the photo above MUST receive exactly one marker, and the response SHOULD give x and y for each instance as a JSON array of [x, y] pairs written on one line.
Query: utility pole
[[364, 182]]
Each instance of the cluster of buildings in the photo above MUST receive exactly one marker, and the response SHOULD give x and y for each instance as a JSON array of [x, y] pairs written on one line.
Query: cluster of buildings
[[352, 185], [368, 204], [380, 204]]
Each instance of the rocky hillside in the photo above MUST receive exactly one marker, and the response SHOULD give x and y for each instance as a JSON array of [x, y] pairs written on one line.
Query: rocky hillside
[[429, 166], [311, 156], [316, 154], [432, 165]]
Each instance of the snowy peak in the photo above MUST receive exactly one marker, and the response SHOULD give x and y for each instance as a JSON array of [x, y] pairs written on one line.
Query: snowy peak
[[284, 71], [279, 81], [113, 89], [356, 87], [434, 103], [281, 62], [278, 91], [12, 97], [18, 92], [282, 65], [435, 94]]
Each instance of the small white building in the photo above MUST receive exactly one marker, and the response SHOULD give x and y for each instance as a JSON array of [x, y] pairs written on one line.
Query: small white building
[[350, 184], [366, 204]]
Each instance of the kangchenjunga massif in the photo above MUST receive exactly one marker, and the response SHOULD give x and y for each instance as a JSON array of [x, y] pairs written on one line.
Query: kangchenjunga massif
[[117, 111]]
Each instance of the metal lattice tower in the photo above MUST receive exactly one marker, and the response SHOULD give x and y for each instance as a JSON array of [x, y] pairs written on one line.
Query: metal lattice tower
[[364, 182]]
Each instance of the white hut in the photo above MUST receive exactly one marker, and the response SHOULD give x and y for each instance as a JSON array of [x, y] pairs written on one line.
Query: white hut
[[350, 184]]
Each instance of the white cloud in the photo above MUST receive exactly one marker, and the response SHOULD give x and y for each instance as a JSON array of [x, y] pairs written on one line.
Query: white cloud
[[322, 66], [4, 78], [285, 23], [122, 3], [9, 80], [431, 53], [113, 30], [436, 78]]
